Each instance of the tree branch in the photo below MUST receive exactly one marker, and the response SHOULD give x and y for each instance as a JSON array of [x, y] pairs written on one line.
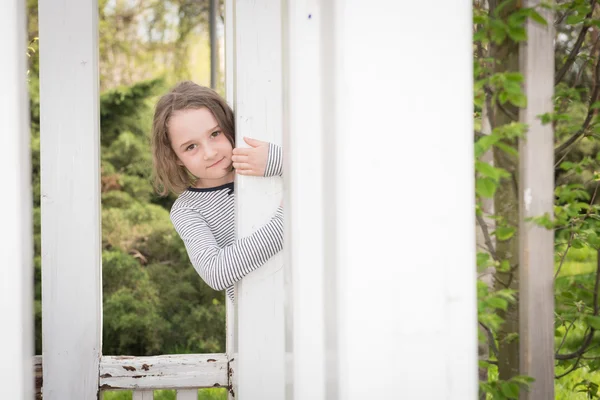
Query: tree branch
[[562, 259], [491, 339], [565, 337], [505, 110], [573, 368], [575, 50], [487, 237]]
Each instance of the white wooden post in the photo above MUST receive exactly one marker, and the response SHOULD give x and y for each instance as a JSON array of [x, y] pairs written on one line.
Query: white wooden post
[[398, 186], [70, 164], [304, 138], [231, 308], [255, 84], [16, 368], [536, 194]]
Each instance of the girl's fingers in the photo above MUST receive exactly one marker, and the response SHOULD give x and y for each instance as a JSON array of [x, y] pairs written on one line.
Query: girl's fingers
[[241, 166], [247, 172], [241, 151], [253, 142], [239, 158]]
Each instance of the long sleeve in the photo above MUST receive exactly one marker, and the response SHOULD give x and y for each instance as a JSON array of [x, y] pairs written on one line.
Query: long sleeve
[[221, 267], [274, 161]]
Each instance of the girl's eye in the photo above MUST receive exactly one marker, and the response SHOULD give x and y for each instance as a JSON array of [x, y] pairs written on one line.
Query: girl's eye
[[215, 133], [190, 147]]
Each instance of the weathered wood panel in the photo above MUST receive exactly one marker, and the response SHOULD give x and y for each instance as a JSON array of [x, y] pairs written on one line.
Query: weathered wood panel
[[16, 308], [163, 372], [536, 197], [70, 170]]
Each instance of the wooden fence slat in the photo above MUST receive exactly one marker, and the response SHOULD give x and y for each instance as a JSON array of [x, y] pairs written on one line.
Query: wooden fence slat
[[189, 394], [70, 197], [143, 395]]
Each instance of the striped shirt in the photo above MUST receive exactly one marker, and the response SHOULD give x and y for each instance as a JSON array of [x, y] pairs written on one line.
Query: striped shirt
[[204, 219]]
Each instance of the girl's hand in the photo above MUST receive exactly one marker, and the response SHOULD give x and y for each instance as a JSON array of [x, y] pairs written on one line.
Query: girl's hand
[[251, 161]]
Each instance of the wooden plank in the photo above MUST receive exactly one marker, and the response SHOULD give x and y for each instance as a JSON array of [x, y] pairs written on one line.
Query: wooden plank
[[404, 237], [304, 266], [143, 395], [536, 189], [70, 169], [257, 103], [16, 275], [191, 394], [163, 372]]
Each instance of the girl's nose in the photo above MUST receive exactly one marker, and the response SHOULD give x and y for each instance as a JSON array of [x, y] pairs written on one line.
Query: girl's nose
[[209, 152]]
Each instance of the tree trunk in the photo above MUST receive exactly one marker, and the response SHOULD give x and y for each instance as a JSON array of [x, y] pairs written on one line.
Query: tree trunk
[[506, 205]]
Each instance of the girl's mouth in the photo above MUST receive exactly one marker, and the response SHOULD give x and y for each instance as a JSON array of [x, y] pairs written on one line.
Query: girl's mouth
[[217, 162]]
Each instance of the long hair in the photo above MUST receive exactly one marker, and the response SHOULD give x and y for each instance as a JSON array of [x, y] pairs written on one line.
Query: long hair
[[168, 175]]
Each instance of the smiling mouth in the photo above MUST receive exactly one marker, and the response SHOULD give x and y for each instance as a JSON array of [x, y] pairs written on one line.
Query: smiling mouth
[[217, 162]]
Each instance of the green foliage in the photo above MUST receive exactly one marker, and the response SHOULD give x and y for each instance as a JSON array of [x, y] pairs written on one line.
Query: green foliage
[[576, 216]]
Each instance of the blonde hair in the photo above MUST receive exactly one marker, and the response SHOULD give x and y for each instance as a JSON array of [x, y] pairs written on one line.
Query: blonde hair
[[168, 175]]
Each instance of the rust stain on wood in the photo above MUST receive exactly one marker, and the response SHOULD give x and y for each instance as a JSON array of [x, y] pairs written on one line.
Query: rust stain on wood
[[146, 367], [106, 376], [138, 376], [211, 360], [129, 368]]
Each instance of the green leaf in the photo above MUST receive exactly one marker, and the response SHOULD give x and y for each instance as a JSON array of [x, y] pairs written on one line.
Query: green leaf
[[504, 233], [510, 390], [519, 100], [504, 266], [523, 379], [486, 170], [517, 33], [497, 302], [593, 321], [535, 16], [507, 149], [575, 19], [566, 165], [482, 259], [485, 187]]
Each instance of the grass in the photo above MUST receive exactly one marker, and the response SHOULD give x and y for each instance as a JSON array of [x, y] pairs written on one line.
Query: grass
[[203, 394]]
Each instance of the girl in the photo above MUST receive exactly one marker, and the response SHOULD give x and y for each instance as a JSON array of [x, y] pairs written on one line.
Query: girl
[[193, 156]]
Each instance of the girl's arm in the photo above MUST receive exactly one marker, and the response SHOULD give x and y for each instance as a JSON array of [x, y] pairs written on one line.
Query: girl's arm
[[260, 159], [221, 267]]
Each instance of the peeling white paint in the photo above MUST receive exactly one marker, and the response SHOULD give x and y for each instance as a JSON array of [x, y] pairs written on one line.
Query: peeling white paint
[[527, 198]]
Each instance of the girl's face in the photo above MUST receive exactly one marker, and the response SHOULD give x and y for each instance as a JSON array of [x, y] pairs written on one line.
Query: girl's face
[[201, 146]]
